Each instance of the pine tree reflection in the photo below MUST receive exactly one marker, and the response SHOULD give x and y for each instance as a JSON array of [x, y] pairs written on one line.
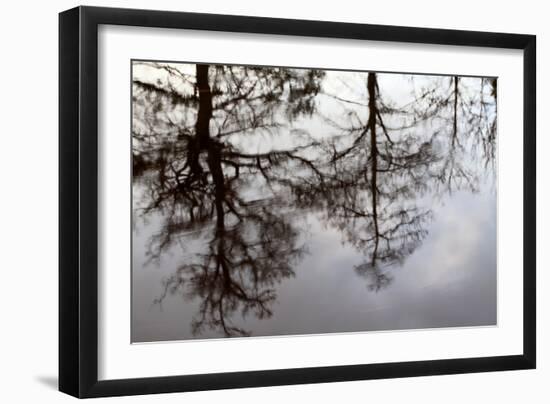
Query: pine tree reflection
[[371, 188], [219, 157], [462, 115], [238, 271], [198, 180]]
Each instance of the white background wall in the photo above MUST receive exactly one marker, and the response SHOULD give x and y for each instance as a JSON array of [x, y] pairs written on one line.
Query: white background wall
[[28, 201]]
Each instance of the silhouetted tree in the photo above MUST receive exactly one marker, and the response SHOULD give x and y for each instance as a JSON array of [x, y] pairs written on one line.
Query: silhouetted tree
[[238, 271], [198, 178], [220, 153], [461, 112], [370, 185]]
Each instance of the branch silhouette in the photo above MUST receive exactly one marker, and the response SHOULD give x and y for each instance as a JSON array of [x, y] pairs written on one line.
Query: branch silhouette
[[221, 155]]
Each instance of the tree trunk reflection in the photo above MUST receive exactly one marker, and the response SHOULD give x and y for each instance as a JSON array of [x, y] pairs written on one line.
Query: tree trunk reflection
[[230, 156]]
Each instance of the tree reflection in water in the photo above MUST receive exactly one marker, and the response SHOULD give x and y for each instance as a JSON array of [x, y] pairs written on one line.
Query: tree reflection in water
[[231, 155]]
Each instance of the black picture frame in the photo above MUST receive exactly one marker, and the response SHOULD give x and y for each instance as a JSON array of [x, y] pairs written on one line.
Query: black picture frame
[[78, 201]]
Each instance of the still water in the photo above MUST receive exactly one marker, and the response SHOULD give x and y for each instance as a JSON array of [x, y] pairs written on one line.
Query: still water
[[277, 201]]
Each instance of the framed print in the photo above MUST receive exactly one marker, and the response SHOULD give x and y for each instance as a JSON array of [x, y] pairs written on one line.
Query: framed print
[[251, 201]]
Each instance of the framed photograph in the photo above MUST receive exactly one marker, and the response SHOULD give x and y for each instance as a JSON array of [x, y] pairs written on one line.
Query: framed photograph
[[252, 201]]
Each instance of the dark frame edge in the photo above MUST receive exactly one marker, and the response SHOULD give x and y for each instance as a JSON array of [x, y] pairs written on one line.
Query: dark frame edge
[[529, 200], [307, 28], [69, 114], [281, 377]]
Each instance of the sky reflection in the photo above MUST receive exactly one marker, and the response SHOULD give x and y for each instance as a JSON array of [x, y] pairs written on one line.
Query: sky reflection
[[271, 201]]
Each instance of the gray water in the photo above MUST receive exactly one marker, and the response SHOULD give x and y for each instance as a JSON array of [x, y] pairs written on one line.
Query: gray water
[[323, 227]]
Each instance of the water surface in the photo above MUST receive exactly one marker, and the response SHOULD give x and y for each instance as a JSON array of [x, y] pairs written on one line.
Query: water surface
[[274, 201]]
